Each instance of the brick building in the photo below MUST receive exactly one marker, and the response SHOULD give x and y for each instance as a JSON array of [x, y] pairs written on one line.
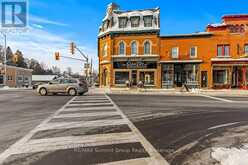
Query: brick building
[[131, 48], [16, 76]]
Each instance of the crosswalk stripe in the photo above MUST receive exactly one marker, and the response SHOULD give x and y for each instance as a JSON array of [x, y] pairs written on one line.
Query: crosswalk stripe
[[89, 104], [86, 114], [91, 101], [81, 124], [90, 108], [58, 143], [138, 161]]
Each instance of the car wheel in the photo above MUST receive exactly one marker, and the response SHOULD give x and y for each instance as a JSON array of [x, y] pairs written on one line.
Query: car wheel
[[72, 92], [43, 92]]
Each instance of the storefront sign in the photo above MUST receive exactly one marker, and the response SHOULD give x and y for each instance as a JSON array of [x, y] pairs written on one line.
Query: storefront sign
[[135, 65]]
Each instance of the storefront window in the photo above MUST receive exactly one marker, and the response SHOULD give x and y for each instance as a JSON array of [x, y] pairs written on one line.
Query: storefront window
[[220, 76], [121, 77], [246, 48], [147, 78], [191, 71]]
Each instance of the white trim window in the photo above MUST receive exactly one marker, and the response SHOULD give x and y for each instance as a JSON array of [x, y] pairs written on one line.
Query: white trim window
[[175, 52], [104, 50], [193, 52], [134, 49], [147, 48], [246, 49], [122, 48]]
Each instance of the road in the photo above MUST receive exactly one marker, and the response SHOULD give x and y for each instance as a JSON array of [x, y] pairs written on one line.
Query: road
[[122, 129]]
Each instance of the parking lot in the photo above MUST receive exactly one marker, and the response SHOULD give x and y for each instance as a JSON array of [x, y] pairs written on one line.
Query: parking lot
[[118, 128]]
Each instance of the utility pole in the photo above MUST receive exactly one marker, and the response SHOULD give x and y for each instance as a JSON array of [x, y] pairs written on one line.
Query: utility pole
[[5, 59]]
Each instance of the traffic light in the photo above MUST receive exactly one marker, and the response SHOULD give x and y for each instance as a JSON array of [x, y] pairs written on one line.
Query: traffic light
[[57, 56], [72, 47]]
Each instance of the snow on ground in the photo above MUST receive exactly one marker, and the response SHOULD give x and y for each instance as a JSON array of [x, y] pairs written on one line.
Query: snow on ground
[[231, 156]]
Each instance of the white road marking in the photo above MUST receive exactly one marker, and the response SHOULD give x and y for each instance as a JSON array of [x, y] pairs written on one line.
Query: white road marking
[[72, 115], [90, 108], [67, 125], [156, 157], [92, 101], [28, 145], [138, 161], [89, 104], [58, 143], [4, 155], [223, 125], [217, 98]]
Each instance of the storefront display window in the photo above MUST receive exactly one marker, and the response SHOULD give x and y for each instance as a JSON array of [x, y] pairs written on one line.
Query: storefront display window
[[147, 78], [121, 77], [191, 71], [220, 76]]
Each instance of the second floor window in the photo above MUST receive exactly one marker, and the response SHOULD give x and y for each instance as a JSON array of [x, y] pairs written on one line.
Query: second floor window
[[147, 47], [147, 21], [134, 48], [246, 48], [223, 50], [135, 21], [193, 52], [104, 50], [122, 22], [175, 52], [122, 48]]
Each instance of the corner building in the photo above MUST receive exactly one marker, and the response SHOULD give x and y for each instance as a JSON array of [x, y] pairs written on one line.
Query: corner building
[[130, 47]]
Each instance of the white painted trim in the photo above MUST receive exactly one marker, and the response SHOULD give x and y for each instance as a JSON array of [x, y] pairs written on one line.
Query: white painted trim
[[177, 48], [145, 55], [95, 114], [182, 61], [196, 51], [229, 59]]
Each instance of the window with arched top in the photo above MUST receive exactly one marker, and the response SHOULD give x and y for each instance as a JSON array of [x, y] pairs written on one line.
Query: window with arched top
[[147, 47], [134, 50], [121, 48], [104, 50]]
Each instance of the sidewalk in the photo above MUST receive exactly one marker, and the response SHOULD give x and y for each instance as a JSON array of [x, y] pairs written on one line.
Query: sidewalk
[[178, 91], [13, 89]]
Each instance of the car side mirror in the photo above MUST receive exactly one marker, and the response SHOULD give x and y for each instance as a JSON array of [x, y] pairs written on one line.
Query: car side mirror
[[50, 83]]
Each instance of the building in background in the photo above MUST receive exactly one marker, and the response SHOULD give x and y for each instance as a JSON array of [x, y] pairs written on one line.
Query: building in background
[[16, 77], [36, 79], [130, 48]]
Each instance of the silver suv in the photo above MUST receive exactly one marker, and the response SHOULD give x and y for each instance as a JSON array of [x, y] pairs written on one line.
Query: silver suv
[[65, 85]]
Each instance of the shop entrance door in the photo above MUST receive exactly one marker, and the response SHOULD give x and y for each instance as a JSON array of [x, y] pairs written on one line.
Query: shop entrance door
[[204, 79], [1, 79], [178, 75], [134, 77], [235, 77]]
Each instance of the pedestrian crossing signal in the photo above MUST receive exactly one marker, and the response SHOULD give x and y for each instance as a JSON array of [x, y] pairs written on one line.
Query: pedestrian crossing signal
[[57, 56]]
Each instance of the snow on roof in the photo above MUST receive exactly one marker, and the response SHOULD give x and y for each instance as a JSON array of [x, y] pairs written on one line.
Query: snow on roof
[[43, 77], [136, 12], [216, 25]]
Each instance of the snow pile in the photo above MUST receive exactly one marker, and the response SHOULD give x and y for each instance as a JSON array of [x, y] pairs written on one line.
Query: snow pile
[[231, 156]]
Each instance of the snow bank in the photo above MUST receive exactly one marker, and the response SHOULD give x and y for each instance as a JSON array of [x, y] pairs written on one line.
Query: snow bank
[[231, 156]]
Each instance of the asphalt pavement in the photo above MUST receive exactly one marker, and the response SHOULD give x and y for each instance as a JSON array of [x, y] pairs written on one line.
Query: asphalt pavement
[[118, 128]]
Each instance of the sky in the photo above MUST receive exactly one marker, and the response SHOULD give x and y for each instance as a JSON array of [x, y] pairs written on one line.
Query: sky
[[53, 24]]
